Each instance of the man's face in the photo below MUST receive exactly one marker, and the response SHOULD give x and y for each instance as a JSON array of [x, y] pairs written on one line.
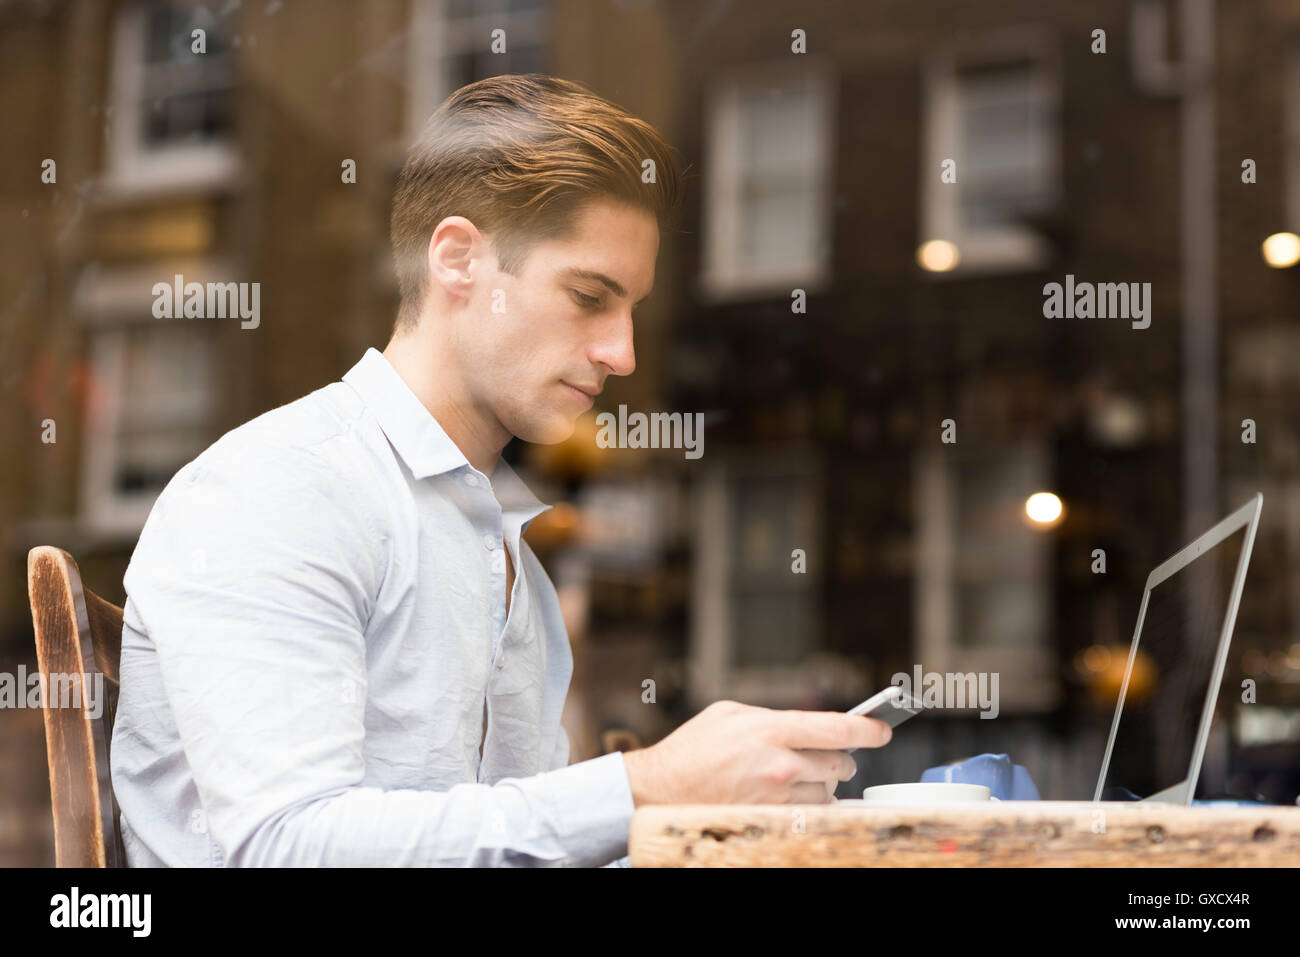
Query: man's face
[[535, 349]]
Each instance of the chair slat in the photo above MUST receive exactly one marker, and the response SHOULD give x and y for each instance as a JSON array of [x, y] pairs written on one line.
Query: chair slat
[[77, 633]]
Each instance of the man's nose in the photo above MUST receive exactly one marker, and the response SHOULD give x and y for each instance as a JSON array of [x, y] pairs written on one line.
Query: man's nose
[[614, 348]]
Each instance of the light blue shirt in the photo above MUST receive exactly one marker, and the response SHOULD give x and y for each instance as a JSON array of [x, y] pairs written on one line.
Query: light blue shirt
[[314, 630]]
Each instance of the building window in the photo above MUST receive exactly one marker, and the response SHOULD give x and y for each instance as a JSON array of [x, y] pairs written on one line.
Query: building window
[[991, 123], [171, 122], [755, 615], [451, 45], [152, 398], [983, 572], [769, 148]]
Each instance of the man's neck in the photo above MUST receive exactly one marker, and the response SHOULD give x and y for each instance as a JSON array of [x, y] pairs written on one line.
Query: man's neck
[[440, 390]]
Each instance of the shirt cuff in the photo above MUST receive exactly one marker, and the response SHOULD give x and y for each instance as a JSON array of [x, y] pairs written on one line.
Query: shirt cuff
[[592, 804]]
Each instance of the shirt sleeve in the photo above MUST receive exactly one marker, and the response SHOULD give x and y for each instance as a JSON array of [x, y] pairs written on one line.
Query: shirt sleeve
[[621, 800], [254, 577]]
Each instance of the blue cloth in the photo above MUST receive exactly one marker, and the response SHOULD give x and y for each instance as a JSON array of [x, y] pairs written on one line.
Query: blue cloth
[[1011, 782], [1005, 781]]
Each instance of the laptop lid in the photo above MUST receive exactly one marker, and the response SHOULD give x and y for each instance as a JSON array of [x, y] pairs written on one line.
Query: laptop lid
[[1175, 665]]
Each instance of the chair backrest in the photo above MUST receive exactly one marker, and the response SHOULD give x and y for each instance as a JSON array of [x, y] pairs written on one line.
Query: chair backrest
[[77, 634]]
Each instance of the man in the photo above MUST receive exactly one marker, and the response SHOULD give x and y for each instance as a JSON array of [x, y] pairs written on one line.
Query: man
[[337, 648]]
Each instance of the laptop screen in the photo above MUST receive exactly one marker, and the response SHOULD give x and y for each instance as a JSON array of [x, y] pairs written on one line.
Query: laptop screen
[[1170, 678]]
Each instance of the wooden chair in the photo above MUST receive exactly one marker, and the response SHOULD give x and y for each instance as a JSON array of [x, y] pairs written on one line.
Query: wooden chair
[[77, 632]]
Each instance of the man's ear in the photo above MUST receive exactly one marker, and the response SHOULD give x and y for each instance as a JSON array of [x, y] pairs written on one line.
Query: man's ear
[[453, 245]]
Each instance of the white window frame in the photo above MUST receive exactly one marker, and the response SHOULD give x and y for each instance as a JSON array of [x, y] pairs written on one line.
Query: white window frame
[[722, 275], [434, 40], [109, 304], [129, 166], [1003, 249]]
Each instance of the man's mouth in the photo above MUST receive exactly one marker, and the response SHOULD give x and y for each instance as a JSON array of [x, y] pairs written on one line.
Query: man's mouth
[[584, 394]]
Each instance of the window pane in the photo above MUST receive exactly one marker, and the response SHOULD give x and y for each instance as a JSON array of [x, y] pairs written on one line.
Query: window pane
[[780, 154], [772, 613], [778, 130], [480, 62], [770, 512], [169, 33], [184, 96], [1003, 169], [167, 388], [1000, 561], [772, 629], [779, 226], [194, 116], [148, 460]]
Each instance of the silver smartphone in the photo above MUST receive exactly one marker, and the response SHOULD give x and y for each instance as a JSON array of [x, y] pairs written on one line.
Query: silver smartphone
[[892, 706]]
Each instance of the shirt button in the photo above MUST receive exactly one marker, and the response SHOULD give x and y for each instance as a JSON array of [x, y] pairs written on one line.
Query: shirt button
[[489, 541], [501, 661], [470, 479]]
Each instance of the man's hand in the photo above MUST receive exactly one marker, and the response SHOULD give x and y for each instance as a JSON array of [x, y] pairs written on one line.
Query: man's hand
[[732, 753]]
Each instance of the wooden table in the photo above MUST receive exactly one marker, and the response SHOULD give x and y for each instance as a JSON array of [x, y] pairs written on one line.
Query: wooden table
[[1009, 834]]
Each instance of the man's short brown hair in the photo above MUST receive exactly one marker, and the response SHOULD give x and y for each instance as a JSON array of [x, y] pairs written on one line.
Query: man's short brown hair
[[519, 155]]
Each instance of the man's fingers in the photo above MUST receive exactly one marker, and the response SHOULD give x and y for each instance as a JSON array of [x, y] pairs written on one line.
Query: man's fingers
[[831, 731], [826, 769], [829, 766], [850, 769], [808, 792]]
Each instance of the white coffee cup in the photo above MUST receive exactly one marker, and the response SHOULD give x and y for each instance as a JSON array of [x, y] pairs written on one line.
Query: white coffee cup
[[928, 793]]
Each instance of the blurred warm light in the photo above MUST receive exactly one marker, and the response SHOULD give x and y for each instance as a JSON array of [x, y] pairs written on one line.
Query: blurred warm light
[[564, 516], [1282, 250], [1253, 662], [1277, 664], [1097, 658], [937, 255], [1141, 681], [576, 457], [558, 525], [1043, 508], [1118, 420]]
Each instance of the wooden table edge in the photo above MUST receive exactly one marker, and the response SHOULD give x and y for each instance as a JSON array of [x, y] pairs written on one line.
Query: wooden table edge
[[1007, 834]]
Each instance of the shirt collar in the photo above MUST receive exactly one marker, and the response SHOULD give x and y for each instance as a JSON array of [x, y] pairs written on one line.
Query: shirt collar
[[418, 438]]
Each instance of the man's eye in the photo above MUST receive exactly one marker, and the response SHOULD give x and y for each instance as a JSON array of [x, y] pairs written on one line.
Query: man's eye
[[584, 300]]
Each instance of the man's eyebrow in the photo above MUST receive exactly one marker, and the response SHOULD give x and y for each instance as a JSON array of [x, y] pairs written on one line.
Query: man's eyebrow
[[613, 285]]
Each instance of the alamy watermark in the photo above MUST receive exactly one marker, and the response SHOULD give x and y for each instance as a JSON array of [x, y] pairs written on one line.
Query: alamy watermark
[[214, 300], [935, 689], [658, 430], [129, 911], [1103, 300], [58, 690]]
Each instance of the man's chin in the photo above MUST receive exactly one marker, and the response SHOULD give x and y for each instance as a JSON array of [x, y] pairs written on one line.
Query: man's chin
[[550, 431]]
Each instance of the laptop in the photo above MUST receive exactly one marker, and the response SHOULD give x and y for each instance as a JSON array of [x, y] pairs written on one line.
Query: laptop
[[1175, 666]]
